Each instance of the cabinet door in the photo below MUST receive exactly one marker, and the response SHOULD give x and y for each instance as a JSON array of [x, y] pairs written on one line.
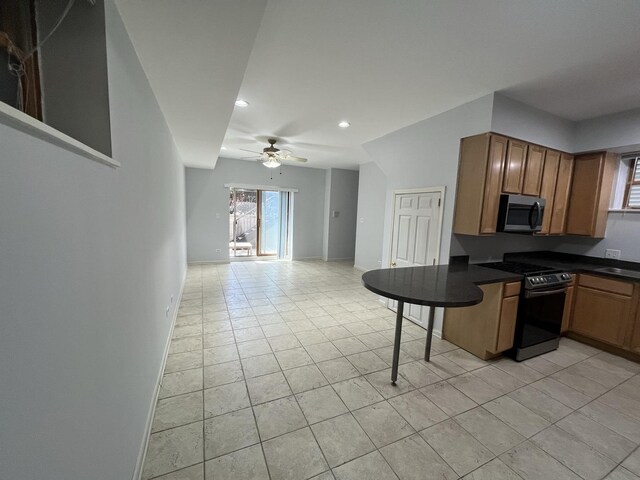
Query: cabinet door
[[507, 326], [584, 190], [497, 152], [533, 171], [568, 308], [635, 335], [601, 315], [548, 187], [514, 167], [561, 198]]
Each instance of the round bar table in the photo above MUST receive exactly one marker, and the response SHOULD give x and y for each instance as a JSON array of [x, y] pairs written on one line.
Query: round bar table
[[433, 286]]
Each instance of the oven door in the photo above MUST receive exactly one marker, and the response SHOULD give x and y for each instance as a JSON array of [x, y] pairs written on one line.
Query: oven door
[[539, 318]]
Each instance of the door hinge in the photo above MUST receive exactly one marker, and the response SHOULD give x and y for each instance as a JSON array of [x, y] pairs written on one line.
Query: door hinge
[[439, 201]]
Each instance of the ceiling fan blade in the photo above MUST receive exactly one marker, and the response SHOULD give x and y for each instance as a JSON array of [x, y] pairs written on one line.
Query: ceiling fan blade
[[296, 159], [284, 153], [250, 151], [252, 157]]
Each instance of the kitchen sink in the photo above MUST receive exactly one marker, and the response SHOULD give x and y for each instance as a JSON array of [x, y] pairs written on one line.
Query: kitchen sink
[[619, 271]]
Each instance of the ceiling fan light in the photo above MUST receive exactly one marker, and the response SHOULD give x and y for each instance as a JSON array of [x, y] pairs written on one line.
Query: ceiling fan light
[[344, 124], [241, 103], [271, 163]]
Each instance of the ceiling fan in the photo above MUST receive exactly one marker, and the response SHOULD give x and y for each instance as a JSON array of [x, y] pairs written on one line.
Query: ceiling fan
[[272, 157]]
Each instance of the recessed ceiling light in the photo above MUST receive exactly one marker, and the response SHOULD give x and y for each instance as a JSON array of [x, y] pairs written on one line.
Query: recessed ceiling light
[[241, 103], [344, 124], [223, 148]]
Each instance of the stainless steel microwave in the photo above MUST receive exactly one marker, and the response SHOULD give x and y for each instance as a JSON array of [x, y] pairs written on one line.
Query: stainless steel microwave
[[520, 214]]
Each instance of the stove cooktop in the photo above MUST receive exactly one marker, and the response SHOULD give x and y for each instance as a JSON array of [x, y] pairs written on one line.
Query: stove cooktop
[[519, 268]]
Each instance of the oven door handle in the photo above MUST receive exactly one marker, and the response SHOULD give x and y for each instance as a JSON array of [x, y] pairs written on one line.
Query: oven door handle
[[543, 293]]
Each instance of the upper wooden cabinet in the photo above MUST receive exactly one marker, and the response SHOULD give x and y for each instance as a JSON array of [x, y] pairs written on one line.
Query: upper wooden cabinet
[[514, 166], [561, 196], [479, 181], [590, 194], [548, 187], [533, 170]]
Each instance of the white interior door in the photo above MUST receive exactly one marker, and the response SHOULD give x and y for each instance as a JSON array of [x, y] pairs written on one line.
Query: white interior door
[[415, 238]]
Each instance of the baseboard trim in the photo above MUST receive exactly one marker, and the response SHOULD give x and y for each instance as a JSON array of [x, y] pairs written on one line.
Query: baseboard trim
[[209, 262], [307, 258], [339, 259], [142, 454], [360, 269]]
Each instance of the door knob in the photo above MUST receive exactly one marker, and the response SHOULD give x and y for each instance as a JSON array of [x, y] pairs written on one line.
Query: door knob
[[393, 264]]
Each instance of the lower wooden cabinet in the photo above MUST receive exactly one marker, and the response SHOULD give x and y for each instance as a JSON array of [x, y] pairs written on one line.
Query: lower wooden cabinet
[[605, 309], [568, 306], [486, 329]]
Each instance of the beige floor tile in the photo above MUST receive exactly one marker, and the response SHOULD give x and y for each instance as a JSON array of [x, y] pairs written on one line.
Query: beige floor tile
[[222, 373], [530, 462], [268, 387], [323, 351], [456, 446], [284, 342], [576, 455], [382, 423], [418, 374], [466, 360], [225, 398], [489, 430], [582, 384], [278, 417], [350, 345], [418, 410], [413, 459], [260, 365], [230, 432], [184, 381], [218, 339], [179, 410], [305, 378], [186, 344], [183, 361], [475, 388], [371, 466], [494, 470], [517, 416], [367, 362], [223, 354], [253, 348], [632, 463], [296, 357], [561, 392], [621, 473], [173, 449], [604, 440], [518, 370], [294, 456], [245, 464], [320, 404], [248, 334], [381, 381], [341, 439], [338, 369], [357, 393], [195, 472], [613, 419], [449, 399], [540, 403]]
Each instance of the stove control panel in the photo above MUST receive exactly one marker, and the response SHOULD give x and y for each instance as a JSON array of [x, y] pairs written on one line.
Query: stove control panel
[[546, 280]]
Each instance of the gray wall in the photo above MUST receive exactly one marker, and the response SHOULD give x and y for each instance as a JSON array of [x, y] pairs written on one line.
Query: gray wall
[[340, 231], [372, 193], [619, 132], [89, 258], [73, 66], [516, 119], [207, 197]]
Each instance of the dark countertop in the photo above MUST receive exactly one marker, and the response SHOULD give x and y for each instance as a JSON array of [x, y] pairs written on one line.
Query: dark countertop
[[437, 286], [622, 270]]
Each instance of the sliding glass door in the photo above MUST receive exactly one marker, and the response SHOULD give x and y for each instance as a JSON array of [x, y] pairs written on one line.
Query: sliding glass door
[[269, 222]]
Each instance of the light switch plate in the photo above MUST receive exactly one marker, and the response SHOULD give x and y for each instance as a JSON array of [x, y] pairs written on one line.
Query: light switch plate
[[613, 254]]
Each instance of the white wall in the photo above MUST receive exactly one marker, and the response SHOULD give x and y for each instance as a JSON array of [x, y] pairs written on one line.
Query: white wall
[[619, 132], [89, 257], [340, 231], [372, 193], [206, 197], [516, 119]]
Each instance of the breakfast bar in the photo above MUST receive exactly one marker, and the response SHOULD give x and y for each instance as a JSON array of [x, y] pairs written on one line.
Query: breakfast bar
[[434, 286]]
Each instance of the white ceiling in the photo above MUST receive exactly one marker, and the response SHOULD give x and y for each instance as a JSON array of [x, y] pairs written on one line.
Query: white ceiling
[[380, 64]]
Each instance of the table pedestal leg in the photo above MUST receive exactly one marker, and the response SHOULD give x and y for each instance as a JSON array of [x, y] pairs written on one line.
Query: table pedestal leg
[[427, 348], [396, 344]]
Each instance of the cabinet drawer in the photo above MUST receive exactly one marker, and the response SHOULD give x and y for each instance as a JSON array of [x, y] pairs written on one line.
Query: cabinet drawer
[[511, 289], [606, 284]]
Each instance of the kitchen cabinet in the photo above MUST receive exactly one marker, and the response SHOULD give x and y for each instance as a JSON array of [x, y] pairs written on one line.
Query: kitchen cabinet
[[514, 166], [590, 194], [479, 181], [548, 187], [486, 329], [634, 343], [604, 309], [561, 195], [533, 170], [568, 305]]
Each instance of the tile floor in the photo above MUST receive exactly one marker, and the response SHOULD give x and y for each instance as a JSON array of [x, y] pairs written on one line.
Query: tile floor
[[281, 371]]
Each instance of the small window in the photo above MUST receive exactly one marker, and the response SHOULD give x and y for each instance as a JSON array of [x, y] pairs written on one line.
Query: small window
[[632, 192]]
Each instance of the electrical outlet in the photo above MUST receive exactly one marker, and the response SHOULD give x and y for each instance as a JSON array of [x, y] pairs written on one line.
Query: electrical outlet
[[217, 215], [218, 250], [613, 254]]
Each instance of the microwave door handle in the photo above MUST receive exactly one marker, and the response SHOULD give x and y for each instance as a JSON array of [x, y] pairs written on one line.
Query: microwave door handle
[[535, 208]]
